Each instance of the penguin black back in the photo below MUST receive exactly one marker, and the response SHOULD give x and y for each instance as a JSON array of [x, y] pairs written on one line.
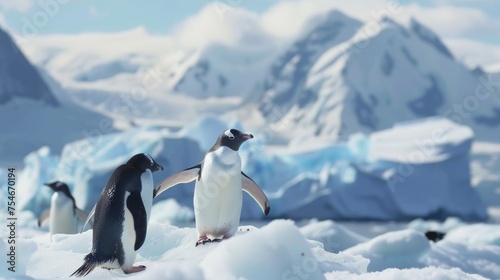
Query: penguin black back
[[122, 193], [434, 235], [107, 232]]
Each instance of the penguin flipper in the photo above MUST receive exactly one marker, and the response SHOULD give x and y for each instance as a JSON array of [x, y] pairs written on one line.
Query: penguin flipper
[[90, 218], [80, 214], [138, 211], [250, 187], [44, 216], [185, 176]]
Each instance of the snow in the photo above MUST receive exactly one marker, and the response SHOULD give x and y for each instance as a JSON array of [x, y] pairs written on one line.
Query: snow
[[423, 225], [277, 250], [335, 237], [400, 249], [428, 273], [478, 234], [170, 212], [473, 248]]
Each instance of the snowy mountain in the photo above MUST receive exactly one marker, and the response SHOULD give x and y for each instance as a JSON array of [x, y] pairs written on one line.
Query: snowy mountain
[[376, 79], [285, 86], [338, 77], [31, 112], [18, 78]]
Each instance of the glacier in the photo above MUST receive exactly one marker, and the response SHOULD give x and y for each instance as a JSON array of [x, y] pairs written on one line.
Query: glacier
[[415, 169]]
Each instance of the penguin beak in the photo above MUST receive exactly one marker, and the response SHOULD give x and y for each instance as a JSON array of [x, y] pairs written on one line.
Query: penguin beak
[[247, 136], [158, 167]]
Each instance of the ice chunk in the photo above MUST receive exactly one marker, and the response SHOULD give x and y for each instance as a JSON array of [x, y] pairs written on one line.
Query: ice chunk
[[399, 249], [405, 172], [417, 169], [478, 234], [428, 273], [170, 212], [39, 168], [87, 164], [333, 236], [423, 226], [204, 130]]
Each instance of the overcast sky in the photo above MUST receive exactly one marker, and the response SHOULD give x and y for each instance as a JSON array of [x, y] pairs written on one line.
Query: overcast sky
[[469, 27]]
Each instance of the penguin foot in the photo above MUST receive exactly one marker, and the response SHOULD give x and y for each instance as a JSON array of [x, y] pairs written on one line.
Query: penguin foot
[[216, 240], [134, 269], [202, 240], [107, 268]]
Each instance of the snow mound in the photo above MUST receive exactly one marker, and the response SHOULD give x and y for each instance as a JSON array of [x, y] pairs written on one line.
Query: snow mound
[[334, 237], [401, 249], [276, 251], [423, 226], [428, 273], [478, 234], [471, 248], [170, 212]]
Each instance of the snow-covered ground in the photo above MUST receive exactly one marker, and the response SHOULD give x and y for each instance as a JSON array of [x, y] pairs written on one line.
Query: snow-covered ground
[[277, 250]]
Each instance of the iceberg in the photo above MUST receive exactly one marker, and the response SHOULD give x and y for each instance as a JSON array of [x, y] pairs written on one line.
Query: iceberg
[[87, 164], [417, 169]]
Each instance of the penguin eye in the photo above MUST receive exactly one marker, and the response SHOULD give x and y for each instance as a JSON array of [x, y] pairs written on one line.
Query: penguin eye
[[231, 137]]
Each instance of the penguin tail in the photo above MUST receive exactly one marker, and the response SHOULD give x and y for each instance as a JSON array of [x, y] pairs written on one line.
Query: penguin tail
[[90, 263]]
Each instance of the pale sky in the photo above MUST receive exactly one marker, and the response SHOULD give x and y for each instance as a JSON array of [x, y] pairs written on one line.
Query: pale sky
[[462, 24]]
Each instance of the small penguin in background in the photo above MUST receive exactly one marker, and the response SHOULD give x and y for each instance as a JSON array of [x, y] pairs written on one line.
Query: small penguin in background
[[121, 217], [63, 212], [434, 235], [218, 191]]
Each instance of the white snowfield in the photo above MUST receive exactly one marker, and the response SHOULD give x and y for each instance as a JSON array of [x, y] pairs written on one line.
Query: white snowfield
[[278, 250], [416, 169]]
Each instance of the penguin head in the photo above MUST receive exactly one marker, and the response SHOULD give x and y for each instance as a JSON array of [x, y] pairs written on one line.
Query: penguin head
[[144, 162], [232, 138], [58, 186]]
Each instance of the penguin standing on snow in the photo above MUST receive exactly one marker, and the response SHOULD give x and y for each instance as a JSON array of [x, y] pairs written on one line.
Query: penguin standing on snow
[[121, 217], [63, 212], [218, 191]]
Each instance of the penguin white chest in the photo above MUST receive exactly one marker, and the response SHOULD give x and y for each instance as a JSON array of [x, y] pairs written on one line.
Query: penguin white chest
[[128, 237], [218, 194], [62, 215], [147, 191]]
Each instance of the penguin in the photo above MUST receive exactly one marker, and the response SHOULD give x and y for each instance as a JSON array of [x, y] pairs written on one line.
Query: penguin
[[434, 236], [121, 217], [63, 213], [218, 190]]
